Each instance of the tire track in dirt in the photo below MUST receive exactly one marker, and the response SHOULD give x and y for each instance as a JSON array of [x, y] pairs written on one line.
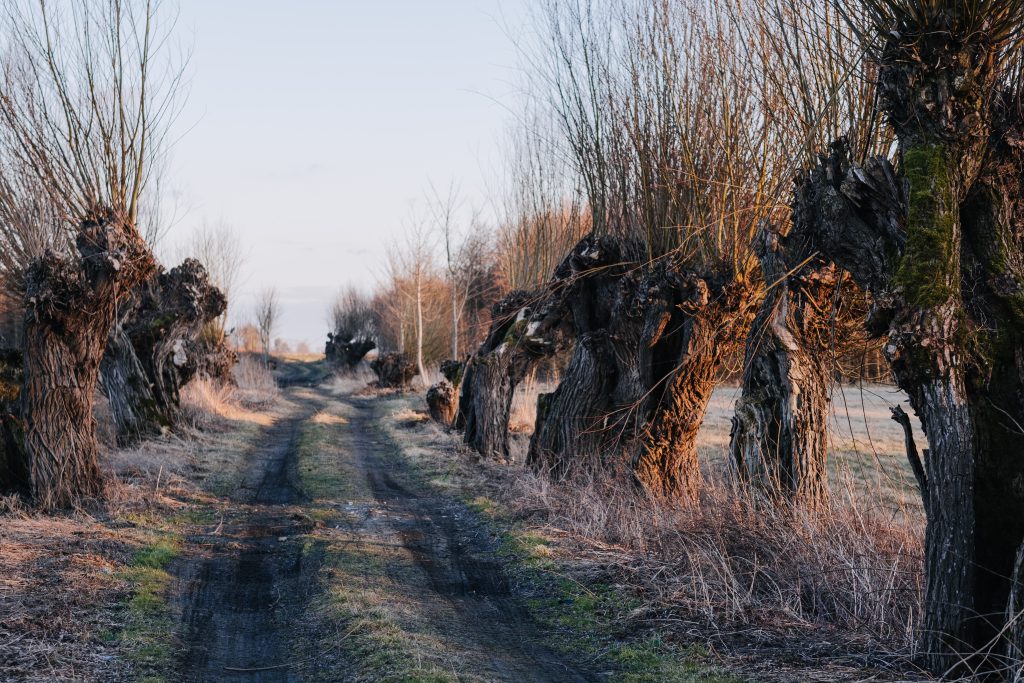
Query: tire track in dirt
[[238, 597], [241, 594], [465, 591]]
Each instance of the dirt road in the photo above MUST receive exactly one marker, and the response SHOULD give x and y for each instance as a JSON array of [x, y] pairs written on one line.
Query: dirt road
[[247, 581]]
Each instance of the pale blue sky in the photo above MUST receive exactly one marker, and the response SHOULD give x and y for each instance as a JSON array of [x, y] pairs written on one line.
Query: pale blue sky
[[312, 126]]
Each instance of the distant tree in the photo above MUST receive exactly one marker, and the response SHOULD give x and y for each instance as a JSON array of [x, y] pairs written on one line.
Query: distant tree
[[266, 314], [247, 338], [411, 267], [354, 328], [218, 247], [281, 346]]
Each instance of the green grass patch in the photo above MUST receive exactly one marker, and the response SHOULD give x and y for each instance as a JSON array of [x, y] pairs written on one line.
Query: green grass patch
[[588, 623], [325, 469], [361, 604], [147, 635]]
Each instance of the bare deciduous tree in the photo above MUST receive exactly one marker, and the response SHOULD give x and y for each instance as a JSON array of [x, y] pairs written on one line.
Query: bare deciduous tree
[[84, 100], [266, 314], [218, 246]]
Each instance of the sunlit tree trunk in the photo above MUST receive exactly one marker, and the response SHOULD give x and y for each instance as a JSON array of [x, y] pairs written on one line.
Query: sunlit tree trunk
[[779, 440], [70, 309], [649, 340], [519, 336]]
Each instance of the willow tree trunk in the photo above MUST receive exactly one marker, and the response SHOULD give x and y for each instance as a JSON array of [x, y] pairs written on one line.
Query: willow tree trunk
[[13, 465], [519, 336], [174, 308], [127, 388], [779, 440], [147, 360], [649, 339], [940, 251], [70, 309]]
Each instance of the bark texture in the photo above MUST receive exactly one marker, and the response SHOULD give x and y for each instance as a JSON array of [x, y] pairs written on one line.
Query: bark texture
[[520, 335], [70, 308], [13, 464], [393, 370], [779, 440], [938, 246], [649, 339], [129, 391], [443, 397], [147, 359], [209, 356]]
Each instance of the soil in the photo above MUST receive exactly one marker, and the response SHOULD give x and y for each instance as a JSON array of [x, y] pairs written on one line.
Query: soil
[[463, 586], [239, 595], [245, 588]]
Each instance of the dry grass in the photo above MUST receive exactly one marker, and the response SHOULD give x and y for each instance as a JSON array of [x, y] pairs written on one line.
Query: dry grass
[[206, 405], [59, 588], [345, 382], [729, 568], [65, 580], [788, 594], [255, 383]]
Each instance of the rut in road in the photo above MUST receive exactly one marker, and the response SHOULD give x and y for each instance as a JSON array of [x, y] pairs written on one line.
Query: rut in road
[[238, 600], [251, 583], [462, 587]]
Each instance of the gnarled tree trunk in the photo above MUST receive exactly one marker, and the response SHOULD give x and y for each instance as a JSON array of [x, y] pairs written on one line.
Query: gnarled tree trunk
[[147, 357], [649, 339], [173, 309], [443, 397], [347, 352], [70, 309], [942, 258], [515, 341], [779, 440], [393, 370], [128, 389], [13, 464]]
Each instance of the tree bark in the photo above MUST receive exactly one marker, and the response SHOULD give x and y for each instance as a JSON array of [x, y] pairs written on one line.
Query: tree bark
[[147, 359], [443, 397], [174, 307], [649, 338], [779, 439], [394, 371], [13, 463], [951, 306], [70, 309], [519, 336], [128, 389]]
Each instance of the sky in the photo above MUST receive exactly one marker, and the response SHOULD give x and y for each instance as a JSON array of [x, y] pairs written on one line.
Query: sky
[[316, 127]]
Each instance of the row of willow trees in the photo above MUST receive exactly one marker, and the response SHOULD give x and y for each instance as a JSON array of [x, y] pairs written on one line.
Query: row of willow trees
[[87, 90], [786, 182]]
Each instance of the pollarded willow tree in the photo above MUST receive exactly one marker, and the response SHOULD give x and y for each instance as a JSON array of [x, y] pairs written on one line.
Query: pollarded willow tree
[[936, 241], [807, 68], [151, 351], [83, 99], [541, 220], [665, 128], [353, 329]]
